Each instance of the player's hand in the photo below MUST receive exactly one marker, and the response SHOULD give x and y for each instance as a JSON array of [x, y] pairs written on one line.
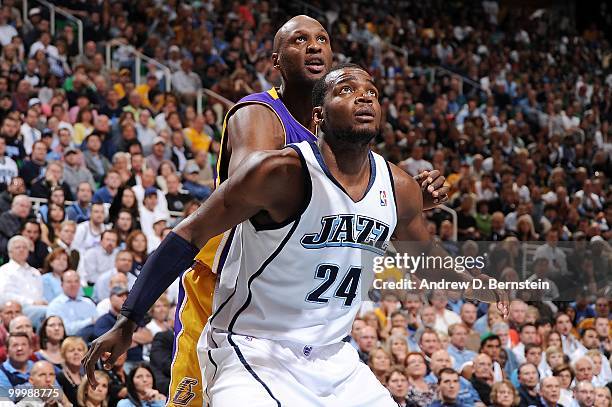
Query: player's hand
[[434, 190], [484, 294], [109, 347]]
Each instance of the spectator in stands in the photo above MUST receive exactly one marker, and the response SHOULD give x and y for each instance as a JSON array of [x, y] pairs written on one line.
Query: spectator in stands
[[491, 346], [21, 282], [503, 394], [429, 342], [88, 234], [482, 378], [80, 211], [51, 335], [8, 311], [43, 187], [112, 182], [142, 388], [38, 249], [583, 369], [8, 167], [147, 182], [161, 351], [76, 311], [64, 241], [602, 397], [457, 348], [16, 369], [104, 306], [123, 264], [528, 378], [420, 392], [397, 383], [96, 163], [14, 145], [35, 167], [205, 175], [397, 347], [366, 342], [175, 197], [74, 171], [99, 259], [86, 395], [528, 335], [50, 228], [29, 132], [440, 360], [73, 350], [142, 335], [11, 221], [158, 152], [448, 386], [15, 187], [136, 243], [563, 325], [584, 394]]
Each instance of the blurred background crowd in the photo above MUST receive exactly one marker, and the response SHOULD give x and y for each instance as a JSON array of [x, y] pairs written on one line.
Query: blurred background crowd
[[101, 153]]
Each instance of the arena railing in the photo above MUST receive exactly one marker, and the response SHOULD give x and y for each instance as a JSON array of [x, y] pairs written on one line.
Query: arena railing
[[38, 202], [53, 10], [138, 58], [453, 214], [203, 92]]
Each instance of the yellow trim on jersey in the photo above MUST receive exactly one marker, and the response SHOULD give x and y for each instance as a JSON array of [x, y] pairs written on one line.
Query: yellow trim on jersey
[[272, 92], [186, 384]]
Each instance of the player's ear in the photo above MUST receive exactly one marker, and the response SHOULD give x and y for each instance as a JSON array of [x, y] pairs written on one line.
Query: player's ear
[[317, 115], [275, 62]]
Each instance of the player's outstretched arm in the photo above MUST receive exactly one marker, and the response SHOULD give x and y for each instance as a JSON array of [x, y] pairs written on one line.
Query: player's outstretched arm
[[268, 184], [414, 238]]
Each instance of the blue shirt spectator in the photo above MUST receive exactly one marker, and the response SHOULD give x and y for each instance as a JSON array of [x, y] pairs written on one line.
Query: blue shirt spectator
[[76, 311]]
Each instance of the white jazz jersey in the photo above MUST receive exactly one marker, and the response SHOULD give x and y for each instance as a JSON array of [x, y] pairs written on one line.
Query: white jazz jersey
[[301, 281]]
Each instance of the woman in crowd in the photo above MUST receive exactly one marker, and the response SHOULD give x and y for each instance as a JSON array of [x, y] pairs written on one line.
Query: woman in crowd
[[136, 243], [141, 389], [55, 265], [566, 376], [553, 339], [503, 394], [159, 316], [602, 397], [166, 168], [125, 199], [553, 358], [87, 396], [397, 383], [525, 229], [124, 225], [70, 377], [117, 387], [379, 362], [51, 335], [84, 125], [50, 229], [56, 196], [420, 392], [397, 347]]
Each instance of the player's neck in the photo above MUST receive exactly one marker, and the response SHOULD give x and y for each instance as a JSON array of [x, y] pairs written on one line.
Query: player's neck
[[298, 100], [346, 160]]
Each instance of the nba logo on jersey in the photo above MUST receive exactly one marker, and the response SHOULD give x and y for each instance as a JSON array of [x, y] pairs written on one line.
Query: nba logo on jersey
[[383, 198]]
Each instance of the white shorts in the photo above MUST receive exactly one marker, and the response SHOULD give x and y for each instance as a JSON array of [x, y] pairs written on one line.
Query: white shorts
[[242, 370]]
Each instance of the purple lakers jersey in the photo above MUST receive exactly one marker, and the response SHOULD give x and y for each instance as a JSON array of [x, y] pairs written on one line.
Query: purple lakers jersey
[[295, 132]]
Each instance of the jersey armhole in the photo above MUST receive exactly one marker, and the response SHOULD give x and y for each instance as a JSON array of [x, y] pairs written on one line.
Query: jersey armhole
[[305, 203], [392, 181]]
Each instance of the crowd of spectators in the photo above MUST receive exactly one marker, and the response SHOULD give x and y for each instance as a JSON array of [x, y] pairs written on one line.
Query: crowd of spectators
[[513, 107]]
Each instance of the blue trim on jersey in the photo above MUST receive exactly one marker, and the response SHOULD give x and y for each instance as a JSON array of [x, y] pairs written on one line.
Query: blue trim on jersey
[[225, 251], [249, 368], [307, 197], [261, 270], [319, 157], [392, 184], [362, 246]]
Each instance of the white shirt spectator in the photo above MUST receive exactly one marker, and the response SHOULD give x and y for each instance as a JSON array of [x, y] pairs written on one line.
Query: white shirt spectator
[[50, 50], [30, 135], [556, 258], [85, 237], [20, 283], [7, 32], [95, 263], [102, 287], [447, 319], [162, 204], [186, 82], [103, 307], [8, 169], [414, 167]]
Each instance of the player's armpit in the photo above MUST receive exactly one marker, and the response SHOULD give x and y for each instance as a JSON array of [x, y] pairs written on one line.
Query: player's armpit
[[252, 127], [269, 181]]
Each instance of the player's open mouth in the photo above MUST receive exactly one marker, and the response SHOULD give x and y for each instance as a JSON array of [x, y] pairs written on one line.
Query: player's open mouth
[[315, 65], [364, 115]]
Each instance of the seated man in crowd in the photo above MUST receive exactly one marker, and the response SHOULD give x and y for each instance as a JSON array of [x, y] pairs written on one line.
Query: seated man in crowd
[[80, 211], [16, 369], [100, 258], [77, 312]]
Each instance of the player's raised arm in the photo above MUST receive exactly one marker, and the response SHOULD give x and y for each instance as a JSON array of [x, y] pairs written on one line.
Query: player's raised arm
[[414, 239], [268, 186]]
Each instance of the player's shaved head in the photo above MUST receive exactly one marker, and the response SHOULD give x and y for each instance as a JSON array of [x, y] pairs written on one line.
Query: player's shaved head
[[297, 22]]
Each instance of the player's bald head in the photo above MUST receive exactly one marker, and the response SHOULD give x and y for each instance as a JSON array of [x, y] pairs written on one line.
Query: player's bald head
[[297, 22]]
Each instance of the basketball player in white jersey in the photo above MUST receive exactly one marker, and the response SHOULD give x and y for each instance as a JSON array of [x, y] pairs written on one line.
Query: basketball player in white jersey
[[304, 221]]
